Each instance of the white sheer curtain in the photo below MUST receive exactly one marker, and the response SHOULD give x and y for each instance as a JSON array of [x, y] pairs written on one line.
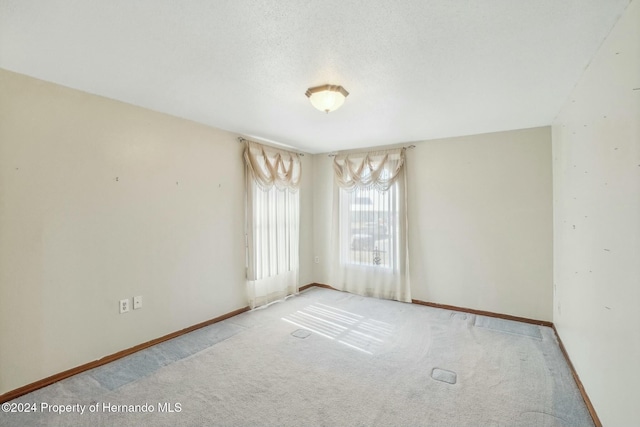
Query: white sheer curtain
[[273, 217], [369, 230]]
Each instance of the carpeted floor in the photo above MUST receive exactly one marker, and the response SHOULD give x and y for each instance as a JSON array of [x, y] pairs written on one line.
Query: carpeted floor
[[328, 358]]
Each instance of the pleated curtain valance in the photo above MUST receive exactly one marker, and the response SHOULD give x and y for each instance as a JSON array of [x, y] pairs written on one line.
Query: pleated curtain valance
[[270, 166], [379, 169]]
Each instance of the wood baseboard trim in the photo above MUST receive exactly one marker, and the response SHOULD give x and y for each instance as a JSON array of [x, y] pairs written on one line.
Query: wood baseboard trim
[[10, 395], [583, 392], [484, 313], [317, 285]]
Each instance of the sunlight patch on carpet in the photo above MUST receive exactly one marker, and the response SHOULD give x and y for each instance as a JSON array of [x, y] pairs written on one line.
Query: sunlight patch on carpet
[[351, 329]]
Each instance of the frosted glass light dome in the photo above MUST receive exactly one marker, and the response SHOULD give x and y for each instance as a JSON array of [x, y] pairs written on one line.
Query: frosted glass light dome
[[327, 97]]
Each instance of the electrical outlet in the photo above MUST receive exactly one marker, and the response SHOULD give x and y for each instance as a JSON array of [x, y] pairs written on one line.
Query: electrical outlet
[[124, 305], [316, 259], [137, 302]]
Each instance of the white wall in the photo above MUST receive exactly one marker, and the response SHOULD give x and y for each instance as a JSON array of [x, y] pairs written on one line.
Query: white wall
[[596, 172], [100, 201], [480, 221]]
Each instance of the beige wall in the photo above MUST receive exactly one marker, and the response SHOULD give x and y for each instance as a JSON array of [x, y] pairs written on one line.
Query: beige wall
[[596, 171], [480, 221], [306, 221], [100, 201], [322, 208]]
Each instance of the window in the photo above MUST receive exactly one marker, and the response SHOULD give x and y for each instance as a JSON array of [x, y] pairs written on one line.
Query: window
[[369, 227], [273, 204], [275, 232]]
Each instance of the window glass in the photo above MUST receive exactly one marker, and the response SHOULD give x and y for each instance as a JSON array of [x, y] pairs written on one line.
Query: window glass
[[369, 227]]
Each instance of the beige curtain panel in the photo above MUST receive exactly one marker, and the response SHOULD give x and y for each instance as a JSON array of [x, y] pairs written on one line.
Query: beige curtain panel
[[273, 222], [369, 226]]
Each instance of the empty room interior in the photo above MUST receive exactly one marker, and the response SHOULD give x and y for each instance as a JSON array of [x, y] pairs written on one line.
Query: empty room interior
[[320, 213]]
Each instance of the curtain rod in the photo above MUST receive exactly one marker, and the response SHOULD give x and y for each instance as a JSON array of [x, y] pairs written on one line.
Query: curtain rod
[[408, 147], [241, 139]]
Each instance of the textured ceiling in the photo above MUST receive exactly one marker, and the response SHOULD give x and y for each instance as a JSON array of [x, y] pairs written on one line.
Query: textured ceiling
[[415, 69]]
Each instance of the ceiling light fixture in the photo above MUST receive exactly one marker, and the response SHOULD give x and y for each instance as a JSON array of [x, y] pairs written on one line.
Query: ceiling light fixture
[[327, 97]]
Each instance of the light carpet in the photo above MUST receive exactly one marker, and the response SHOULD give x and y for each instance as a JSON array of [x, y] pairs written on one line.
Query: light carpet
[[328, 358]]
